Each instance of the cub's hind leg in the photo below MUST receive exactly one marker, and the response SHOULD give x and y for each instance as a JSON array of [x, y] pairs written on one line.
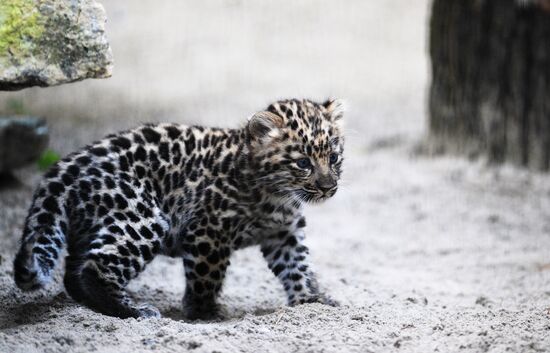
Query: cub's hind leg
[[98, 272], [205, 267]]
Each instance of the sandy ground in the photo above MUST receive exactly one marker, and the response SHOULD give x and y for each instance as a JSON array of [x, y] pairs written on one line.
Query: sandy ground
[[424, 254]]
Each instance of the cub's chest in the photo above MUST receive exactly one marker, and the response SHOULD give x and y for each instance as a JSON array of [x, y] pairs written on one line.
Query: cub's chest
[[262, 226]]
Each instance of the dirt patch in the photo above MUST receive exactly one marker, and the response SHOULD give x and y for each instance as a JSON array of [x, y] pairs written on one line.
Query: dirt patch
[[423, 254]]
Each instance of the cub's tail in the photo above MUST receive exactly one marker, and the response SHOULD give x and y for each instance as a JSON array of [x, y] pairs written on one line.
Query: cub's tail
[[43, 238]]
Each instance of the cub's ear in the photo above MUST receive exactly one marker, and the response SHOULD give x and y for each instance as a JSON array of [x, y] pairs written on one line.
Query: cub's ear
[[264, 124], [335, 110]]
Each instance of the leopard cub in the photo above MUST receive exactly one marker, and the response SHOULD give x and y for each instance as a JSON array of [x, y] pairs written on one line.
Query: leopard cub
[[185, 191]]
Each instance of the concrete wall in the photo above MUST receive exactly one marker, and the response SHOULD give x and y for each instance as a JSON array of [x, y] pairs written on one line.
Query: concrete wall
[[216, 62]]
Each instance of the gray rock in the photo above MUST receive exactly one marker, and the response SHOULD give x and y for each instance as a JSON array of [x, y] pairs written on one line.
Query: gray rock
[[50, 42], [22, 141]]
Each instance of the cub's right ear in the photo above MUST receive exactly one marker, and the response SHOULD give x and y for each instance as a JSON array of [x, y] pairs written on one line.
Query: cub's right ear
[[335, 109], [264, 123]]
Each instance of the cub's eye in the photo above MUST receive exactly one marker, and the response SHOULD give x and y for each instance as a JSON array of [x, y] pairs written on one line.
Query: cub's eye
[[333, 158], [303, 163]]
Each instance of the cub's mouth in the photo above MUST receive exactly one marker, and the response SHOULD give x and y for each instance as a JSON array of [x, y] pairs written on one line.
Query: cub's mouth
[[314, 195]]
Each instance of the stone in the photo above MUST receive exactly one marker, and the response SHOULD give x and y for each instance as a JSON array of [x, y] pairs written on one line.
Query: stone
[[22, 141], [50, 42]]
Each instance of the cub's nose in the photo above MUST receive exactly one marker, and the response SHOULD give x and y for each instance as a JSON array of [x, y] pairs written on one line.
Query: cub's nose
[[325, 184]]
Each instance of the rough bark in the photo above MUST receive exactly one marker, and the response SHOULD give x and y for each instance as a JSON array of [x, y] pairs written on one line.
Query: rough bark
[[490, 91]]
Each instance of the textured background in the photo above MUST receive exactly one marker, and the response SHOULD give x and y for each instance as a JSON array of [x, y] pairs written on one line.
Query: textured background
[[424, 254]]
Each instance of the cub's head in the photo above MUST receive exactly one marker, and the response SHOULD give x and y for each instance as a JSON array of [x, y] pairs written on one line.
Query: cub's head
[[296, 148]]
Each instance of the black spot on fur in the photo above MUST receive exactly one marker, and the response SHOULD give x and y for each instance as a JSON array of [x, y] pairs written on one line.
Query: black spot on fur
[[204, 248], [190, 144], [140, 171], [132, 248], [140, 154], [144, 211], [73, 170], [108, 167], [56, 188], [123, 251], [45, 218], [123, 163], [278, 269], [122, 142], [214, 257], [109, 182], [202, 268], [67, 179], [108, 200], [99, 151], [102, 211], [132, 216], [146, 253], [173, 132], [121, 201], [116, 230], [164, 151], [150, 135], [128, 191], [94, 172], [291, 241], [130, 230], [120, 216], [146, 233], [50, 205], [157, 229]]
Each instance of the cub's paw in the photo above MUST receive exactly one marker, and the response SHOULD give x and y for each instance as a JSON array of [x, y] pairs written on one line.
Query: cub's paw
[[147, 311], [325, 299], [319, 298], [213, 314], [197, 308]]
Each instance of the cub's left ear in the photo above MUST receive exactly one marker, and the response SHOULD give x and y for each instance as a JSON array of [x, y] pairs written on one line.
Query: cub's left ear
[[335, 110], [264, 124]]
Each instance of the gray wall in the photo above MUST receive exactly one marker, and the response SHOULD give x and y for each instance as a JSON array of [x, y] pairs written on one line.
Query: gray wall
[[216, 62]]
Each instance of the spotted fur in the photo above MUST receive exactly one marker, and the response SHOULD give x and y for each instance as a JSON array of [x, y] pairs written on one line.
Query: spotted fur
[[190, 192]]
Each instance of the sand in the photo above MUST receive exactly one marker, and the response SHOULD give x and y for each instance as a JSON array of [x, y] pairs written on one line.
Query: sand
[[424, 254]]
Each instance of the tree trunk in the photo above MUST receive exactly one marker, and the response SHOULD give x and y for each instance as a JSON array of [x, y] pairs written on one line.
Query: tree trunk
[[490, 91]]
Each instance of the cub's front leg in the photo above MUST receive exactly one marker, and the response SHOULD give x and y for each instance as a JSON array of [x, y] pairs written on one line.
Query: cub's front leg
[[287, 258]]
